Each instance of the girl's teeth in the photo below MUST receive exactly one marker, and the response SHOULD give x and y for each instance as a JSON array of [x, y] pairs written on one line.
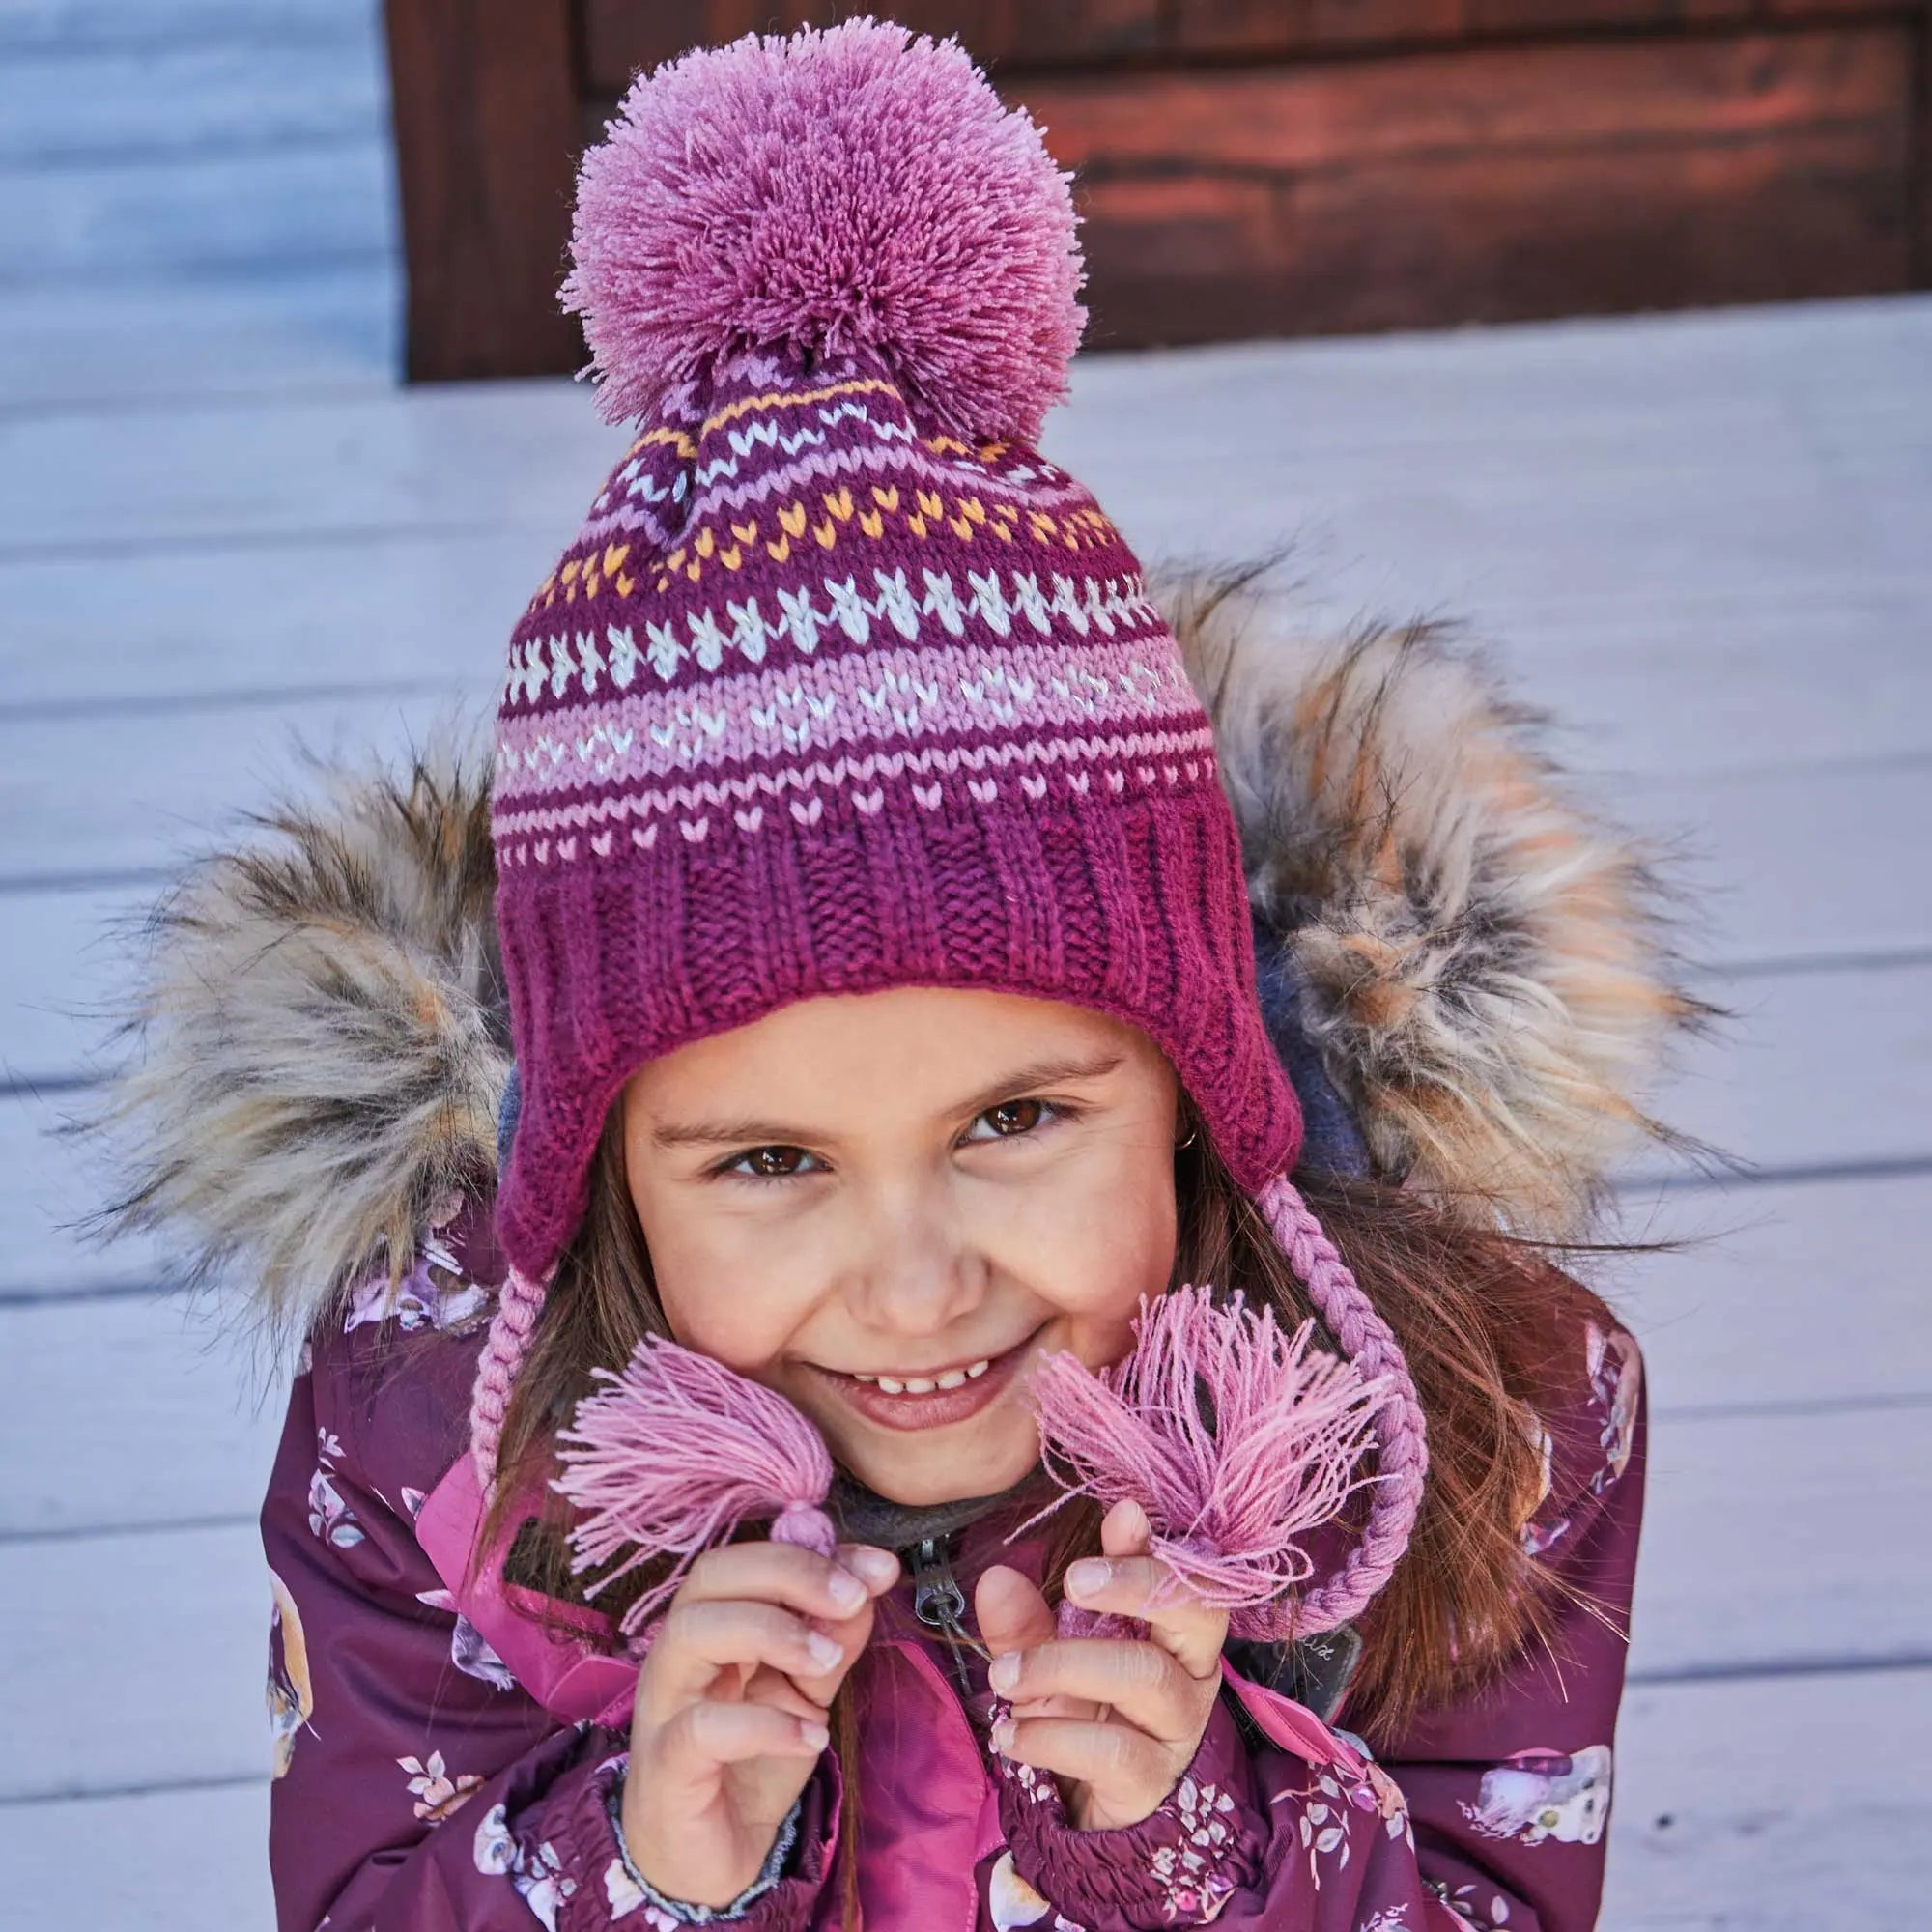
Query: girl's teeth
[[952, 1378]]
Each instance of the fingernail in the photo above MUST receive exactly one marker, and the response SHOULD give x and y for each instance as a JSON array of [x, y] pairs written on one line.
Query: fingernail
[[877, 1567], [1002, 1736], [1090, 1575], [846, 1590], [823, 1651], [1003, 1673], [814, 1735]]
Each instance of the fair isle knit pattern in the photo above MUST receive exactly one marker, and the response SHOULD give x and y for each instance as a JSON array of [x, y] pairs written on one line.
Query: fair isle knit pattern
[[824, 698]]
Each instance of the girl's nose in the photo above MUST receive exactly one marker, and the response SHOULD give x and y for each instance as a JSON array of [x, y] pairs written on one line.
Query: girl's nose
[[920, 1271]]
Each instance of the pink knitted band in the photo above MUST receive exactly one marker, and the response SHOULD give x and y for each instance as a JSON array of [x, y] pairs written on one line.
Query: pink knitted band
[[1401, 1435], [519, 1302]]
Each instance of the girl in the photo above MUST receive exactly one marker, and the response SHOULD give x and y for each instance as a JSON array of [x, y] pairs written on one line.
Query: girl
[[871, 965]]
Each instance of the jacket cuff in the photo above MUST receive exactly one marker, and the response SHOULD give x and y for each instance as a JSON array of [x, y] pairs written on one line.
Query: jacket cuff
[[1179, 1866], [611, 1890]]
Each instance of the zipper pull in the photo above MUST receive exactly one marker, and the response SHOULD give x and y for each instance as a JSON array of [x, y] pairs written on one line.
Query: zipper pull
[[937, 1600]]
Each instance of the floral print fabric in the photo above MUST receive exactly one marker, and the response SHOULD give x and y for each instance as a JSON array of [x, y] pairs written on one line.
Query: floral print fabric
[[419, 1788]]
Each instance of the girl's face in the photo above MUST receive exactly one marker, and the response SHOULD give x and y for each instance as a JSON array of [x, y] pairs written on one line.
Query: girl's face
[[886, 1206]]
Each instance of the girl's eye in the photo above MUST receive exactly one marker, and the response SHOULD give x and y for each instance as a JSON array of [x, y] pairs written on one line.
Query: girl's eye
[[1009, 1120], [1013, 1120], [767, 1163]]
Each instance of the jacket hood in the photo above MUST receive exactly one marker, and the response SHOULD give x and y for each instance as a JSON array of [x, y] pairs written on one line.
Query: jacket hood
[[1465, 974]]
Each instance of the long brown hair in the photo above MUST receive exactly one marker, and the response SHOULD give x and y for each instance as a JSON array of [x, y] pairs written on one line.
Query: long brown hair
[[1484, 1322]]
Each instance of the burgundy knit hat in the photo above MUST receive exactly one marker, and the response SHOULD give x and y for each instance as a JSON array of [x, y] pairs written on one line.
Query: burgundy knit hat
[[842, 685]]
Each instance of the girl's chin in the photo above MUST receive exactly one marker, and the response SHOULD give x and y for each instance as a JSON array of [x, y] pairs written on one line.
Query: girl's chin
[[925, 1474]]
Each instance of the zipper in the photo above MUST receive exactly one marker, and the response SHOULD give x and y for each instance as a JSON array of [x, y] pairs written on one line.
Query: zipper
[[940, 1604]]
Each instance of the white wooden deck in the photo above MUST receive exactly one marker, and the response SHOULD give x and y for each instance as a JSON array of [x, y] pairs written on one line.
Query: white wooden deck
[[1702, 540]]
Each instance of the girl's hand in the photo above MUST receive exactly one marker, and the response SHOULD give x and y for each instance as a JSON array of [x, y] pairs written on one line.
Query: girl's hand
[[1116, 1720], [730, 1711]]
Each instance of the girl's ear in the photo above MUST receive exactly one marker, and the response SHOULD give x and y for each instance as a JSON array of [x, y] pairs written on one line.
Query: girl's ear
[[1480, 967]]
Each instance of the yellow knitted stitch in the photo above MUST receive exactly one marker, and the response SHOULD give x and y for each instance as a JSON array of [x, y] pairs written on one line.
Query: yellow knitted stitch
[[672, 438], [796, 399]]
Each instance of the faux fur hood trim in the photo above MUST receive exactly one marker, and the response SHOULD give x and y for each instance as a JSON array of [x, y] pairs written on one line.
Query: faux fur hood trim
[[322, 1044], [1480, 965], [1477, 965]]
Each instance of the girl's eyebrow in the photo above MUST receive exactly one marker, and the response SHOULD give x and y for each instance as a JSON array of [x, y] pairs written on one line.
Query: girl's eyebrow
[[1050, 1072]]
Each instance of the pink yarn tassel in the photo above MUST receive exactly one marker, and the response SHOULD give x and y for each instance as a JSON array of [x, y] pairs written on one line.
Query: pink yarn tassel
[[673, 1457], [1237, 1439]]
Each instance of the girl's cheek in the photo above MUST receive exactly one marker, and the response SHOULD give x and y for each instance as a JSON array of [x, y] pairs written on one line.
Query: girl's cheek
[[1098, 1265], [738, 1317]]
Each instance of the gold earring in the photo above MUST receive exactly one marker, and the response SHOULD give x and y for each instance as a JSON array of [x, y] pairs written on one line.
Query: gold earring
[[1193, 1135]]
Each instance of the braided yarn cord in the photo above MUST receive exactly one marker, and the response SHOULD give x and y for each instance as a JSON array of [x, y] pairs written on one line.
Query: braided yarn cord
[[1402, 1446], [519, 1302]]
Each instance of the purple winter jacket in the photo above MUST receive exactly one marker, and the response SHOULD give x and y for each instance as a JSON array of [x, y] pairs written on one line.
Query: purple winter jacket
[[442, 1762]]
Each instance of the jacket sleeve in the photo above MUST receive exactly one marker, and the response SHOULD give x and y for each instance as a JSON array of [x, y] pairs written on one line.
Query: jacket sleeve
[[418, 1788], [1490, 1814]]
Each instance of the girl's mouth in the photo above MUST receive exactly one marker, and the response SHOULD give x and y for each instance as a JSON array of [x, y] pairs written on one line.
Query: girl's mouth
[[934, 1398]]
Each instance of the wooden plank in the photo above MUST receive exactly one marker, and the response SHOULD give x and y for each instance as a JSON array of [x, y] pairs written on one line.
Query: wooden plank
[[1771, 1542], [327, 204], [1284, 121], [65, 968], [282, 333], [1734, 1806], [622, 37], [1223, 453], [49, 1185], [1263, 27], [177, 1860], [181, 786], [1794, 1295], [169, 1416], [1485, 185], [1782, 868], [1816, 1070], [486, 134], [373, 468], [162, 24], [133, 1661], [61, 106], [416, 614]]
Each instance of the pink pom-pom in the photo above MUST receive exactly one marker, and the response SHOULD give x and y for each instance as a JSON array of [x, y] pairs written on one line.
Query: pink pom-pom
[[855, 189], [1236, 1439], [673, 1455]]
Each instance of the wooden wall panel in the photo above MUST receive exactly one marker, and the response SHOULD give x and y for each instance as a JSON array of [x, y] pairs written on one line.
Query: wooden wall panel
[[1263, 166], [1282, 27], [1488, 184], [620, 37], [486, 117]]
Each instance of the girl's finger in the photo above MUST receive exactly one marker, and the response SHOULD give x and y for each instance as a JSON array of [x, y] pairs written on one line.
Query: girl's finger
[[705, 1735], [1191, 1632], [1126, 1767], [1141, 1681], [698, 1640], [851, 1636], [1010, 1612], [781, 1573], [1014, 1618]]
